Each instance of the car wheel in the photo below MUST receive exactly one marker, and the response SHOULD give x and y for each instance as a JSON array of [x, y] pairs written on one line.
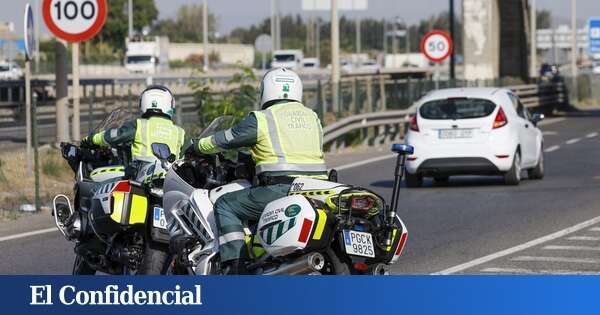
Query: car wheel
[[513, 176], [538, 171], [413, 180]]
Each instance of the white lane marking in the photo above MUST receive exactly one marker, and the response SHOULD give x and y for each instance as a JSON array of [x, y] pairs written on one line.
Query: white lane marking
[[518, 248], [549, 133], [595, 229], [558, 259], [570, 247], [583, 238], [529, 271], [367, 161], [27, 234], [573, 141], [551, 121], [552, 148], [591, 135]]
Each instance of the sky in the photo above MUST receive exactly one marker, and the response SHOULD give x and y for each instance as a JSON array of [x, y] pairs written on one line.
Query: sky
[[233, 13]]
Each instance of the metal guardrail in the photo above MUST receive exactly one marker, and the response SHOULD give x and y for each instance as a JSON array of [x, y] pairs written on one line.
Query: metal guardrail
[[545, 96]]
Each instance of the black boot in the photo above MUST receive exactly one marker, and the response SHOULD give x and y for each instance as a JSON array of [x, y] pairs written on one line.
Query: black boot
[[235, 267]]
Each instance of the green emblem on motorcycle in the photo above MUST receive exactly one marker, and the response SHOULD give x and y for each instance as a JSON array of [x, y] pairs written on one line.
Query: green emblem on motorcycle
[[286, 87], [292, 210]]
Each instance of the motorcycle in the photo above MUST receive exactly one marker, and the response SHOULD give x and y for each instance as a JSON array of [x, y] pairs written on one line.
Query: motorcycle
[[321, 227], [116, 219]]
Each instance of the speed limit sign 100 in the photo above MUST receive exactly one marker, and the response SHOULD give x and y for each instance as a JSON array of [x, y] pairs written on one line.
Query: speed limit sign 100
[[437, 46], [74, 20]]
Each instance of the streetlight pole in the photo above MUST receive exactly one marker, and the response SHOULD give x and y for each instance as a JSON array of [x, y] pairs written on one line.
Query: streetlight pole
[[533, 49], [205, 34], [574, 42], [130, 17], [335, 55], [452, 59]]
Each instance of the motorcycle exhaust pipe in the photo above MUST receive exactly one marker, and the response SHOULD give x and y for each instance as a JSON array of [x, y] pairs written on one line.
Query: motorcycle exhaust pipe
[[307, 264]]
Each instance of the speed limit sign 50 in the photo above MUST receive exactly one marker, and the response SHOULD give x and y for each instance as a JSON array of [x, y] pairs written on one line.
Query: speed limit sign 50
[[437, 46], [74, 20]]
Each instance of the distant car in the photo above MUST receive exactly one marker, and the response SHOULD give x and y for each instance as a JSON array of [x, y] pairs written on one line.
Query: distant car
[[369, 65], [473, 131], [10, 71], [596, 66], [311, 63]]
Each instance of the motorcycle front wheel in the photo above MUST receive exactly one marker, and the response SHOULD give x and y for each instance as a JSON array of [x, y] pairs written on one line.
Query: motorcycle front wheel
[[80, 267]]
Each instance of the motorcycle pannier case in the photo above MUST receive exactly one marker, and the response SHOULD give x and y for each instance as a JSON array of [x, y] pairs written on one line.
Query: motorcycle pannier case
[[292, 224]]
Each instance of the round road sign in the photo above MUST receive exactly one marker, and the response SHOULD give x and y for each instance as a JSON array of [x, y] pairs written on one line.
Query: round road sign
[[437, 46], [263, 43], [74, 20], [29, 32]]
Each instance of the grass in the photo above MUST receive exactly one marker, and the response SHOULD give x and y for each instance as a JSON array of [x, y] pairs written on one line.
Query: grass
[[18, 186]]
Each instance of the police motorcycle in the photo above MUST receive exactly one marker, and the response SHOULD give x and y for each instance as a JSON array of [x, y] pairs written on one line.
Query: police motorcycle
[[115, 217], [321, 227]]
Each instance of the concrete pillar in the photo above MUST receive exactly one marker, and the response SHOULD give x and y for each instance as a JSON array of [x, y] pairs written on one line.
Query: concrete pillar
[[481, 39]]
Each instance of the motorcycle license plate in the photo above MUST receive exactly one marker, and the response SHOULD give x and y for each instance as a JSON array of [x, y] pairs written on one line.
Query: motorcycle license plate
[[359, 243], [159, 220]]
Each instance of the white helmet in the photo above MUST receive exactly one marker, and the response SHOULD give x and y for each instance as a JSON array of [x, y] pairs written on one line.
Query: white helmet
[[159, 99], [280, 84]]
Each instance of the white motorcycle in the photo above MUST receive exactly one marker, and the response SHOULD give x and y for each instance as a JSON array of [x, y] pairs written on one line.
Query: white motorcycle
[[321, 227]]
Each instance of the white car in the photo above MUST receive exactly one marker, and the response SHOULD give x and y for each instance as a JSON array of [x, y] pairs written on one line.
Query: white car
[[473, 131], [10, 71]]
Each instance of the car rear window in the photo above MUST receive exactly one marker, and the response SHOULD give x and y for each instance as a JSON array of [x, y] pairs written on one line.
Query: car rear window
[[457, 108]]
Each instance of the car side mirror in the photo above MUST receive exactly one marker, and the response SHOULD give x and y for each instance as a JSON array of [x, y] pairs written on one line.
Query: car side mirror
[[537, 117], [161, 151]]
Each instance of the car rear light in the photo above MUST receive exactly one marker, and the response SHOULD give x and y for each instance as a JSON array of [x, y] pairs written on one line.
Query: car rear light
[[500, 120], [411, 158], [502, 156], [413, 123]]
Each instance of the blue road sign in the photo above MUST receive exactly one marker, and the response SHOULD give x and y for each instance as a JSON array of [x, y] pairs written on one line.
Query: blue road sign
[[594, 35]]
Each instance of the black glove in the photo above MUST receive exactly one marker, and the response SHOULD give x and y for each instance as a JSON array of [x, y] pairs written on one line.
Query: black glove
[[192, 147], [87, 143]]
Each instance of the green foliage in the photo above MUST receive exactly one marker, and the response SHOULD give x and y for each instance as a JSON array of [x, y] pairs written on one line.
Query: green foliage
[[240, 98], [116, 27], [544, 19], [187, 26]]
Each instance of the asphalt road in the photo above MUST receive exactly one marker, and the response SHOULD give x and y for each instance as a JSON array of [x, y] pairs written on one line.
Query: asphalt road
[[467, 219]]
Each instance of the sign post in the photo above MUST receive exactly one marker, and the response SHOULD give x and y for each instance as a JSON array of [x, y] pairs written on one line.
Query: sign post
[[437, 46], [29, 50], [75, 21]]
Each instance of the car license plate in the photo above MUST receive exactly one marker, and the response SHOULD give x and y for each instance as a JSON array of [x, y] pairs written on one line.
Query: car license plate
[[455, 133], [359, 243], [159, 220]]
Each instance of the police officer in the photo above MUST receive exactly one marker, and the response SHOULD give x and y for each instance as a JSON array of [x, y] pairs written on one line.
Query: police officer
[[157, 106], [286, 142]]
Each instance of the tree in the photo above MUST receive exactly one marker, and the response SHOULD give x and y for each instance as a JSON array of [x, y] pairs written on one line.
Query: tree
[[116, 28], [544, 19], [187, 26]]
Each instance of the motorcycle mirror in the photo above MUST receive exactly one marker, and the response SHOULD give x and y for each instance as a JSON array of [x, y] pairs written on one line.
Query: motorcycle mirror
[[161, 151]]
